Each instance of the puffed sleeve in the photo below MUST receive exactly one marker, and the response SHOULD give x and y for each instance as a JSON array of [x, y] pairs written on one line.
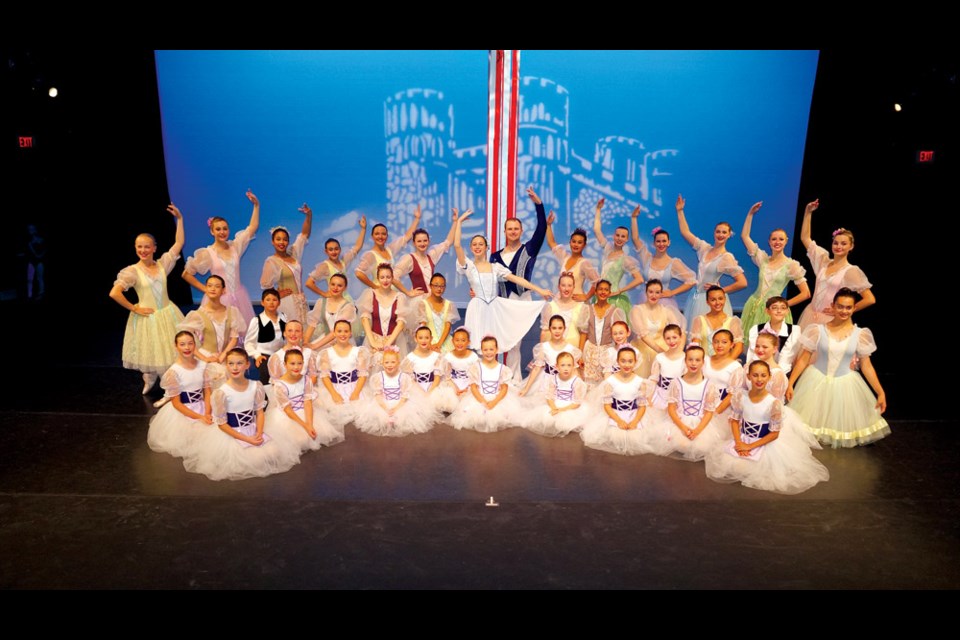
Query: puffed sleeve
[[736, 328], [758, 255], [545, 316], [314, 316], [348, 257], [728, 265], [241, 241], [500, 272], [406, 365], [631, 264], [551, 392], [235, 324], [655, 370], [127, 277], [712, 397], [259, 397], [309, 393], [192, 322], [275, 364], [296, 249], [368, 265], [348, 312], [168, 260], [606, 393], [637, 321], [701, 247], [608, 358], [408, 385], [199, 262], [214, 375], [674, 392], [561, 254], [270, 275], [281, 394], [696, 331], [506, 375], [538, 360], [365, 304], [583, 322], [776, 415], [580, 390], [680, 271], [736, 403], [170, 383], [854, 278], [643, 394], [818, 256], [865, 343], [403, 266], [453, 316], [323, 363], [575, 352], [778, 383], [590, 273], [617, 315], [397, 245], [218, 406], [363, 362], [645, 257], [738, 379], [321, 272], [796, 272], [438, 250], [810, 338], [376, 385], [403, 308]]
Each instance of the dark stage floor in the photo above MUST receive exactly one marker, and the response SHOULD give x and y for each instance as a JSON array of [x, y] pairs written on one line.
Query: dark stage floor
[[85, 504]]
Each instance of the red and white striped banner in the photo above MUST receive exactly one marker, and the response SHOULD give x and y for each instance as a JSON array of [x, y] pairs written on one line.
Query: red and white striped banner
[[504, 94]]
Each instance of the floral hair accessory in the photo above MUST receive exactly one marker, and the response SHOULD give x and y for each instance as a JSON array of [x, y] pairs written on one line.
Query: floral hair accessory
[[655, 231], [279, 227], [391, 348], [209, 221], [839, 231]]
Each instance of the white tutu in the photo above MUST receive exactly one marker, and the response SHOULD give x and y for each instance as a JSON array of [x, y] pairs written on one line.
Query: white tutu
[[174, 433], [603, 433], [219, 456], [539, 420], [785, 465], [667, 440], [415, 416], [341, 414], [446, 398], [279, 423], [472, 415]]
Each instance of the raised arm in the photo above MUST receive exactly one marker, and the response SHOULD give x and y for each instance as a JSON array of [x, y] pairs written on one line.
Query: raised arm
[[536, 241], [745, 232], [255, 216], [805, 225], [414, 225], [523, 282], [358, 245], [453, 225], [551, 241], [682, 221], [638, 244], [179, 237], [458, 234], [307, 220], [597, 226]]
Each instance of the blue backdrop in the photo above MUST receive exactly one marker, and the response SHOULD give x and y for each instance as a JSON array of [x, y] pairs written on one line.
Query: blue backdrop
[[377, 132]]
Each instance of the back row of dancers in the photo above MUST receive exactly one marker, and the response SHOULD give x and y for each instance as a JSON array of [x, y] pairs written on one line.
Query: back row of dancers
[[593, 334]]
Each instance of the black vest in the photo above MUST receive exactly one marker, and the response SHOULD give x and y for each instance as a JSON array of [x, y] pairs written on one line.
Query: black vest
[[268, 333]]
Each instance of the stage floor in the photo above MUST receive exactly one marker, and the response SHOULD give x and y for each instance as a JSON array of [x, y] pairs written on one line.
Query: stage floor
[[86, 504]]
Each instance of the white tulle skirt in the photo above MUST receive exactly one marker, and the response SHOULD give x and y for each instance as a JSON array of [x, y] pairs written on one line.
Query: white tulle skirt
[[507, 319], [341, 414], [470, 414], [172, 432], [604, 434], [219, 456], [539, 420], [415, 416], [785, 465], [446, 398], [278, 422], [839, 411], [667, 440]]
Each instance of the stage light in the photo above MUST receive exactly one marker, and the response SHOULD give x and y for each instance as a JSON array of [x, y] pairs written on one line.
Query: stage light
[[53, 92], [897, 107]]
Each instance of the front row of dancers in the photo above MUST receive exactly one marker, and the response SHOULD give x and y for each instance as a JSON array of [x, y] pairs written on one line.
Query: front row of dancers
[[693, 406]]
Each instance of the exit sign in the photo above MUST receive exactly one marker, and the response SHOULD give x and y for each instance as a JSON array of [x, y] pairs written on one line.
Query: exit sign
[[26, 142], [925, 156]]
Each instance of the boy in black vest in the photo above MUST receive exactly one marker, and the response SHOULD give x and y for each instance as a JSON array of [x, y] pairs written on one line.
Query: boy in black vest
[[265, 333]]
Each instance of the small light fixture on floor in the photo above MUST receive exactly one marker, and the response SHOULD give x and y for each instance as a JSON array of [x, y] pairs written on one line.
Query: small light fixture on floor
[[491, 503]]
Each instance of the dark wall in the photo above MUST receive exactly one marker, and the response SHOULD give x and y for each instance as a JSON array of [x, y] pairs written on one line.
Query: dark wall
[[96, 178]]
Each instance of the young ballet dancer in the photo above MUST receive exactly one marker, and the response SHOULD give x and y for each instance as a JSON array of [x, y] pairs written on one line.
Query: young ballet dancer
[[396, 405], [240, 448], [175, 427], [293, 341], [329, 310], [765, 452], [148, 344], [544, 365], [335, 262], [573, 261], [216, 326], [616, 263], [832, 274], [706, 325], [620, 333], [714, 262], [565, 306], [383, 253], [222, 258], [562, 409], [490, 406], [422, 263], [343, 369], [776, 270], [690, 431], [721, 366], [659, 265], [648, 320], [830, 397], [283, 270], [788, 335], [292, 411], [667, 365], [456, 371], [438, 313], [488, 313], [424, 364], [265, 333], [383, 312], [595, 333], [620, 428]]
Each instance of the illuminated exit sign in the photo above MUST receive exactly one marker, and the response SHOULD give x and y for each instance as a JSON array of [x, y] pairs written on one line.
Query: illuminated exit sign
[[925, 156], [26, 142]]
